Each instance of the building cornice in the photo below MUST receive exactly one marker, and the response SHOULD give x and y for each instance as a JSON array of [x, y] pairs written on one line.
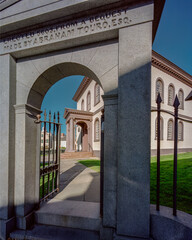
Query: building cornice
[[159, 62], [170, 68], [81, 89], [75, 111]]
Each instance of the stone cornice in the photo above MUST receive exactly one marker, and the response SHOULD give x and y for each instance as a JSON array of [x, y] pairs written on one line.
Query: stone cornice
[[81, 89], [170, 68], [7, 3], [159, 62], [27, 107]]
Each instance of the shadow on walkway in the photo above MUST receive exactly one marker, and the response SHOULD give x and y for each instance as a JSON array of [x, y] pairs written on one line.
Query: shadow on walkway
[[67, 176]]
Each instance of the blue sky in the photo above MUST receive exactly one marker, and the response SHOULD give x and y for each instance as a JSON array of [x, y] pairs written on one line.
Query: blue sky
[[174, 35], [60, 97], [173, 41]]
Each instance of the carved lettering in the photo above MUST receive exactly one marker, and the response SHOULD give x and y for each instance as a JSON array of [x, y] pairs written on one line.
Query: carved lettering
[[101, 22]]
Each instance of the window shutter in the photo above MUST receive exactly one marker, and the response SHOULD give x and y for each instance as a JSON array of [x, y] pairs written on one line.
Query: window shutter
[[180, 131], [170, 95], [181, 97], [159, 88], [170, 130], [97, 130]]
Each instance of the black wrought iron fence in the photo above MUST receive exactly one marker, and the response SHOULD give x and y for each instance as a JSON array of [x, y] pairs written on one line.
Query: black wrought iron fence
[[102, 164], [50, 155], [158, 132]]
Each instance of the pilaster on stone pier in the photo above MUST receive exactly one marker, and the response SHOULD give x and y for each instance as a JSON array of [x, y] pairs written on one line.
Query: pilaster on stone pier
[[7, 143], [27, 162], [110, 160], [133, 190]]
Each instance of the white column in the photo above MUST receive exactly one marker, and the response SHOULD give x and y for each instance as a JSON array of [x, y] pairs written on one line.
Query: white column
[[67, 137], [110, 160], [71, 135]]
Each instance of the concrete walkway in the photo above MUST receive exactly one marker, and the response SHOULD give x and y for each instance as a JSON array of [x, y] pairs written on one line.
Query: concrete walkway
[[74, 213], [77, 204], [78, 182]]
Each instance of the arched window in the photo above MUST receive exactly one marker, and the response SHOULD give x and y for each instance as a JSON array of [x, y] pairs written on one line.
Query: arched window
[[82, 105], [170, 129], [171, 94], [88, 101], [96, 130], [161, 128], [97, 93], [159, 88], [181, 98], [180, 131]]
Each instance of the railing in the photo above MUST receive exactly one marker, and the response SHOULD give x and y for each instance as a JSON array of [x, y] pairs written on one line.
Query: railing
[[176, 118], [50, 157]]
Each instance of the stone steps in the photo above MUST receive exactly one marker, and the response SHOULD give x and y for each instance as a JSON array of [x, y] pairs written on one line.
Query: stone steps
[[76, 155], [43, 232], [64, 219], [70, 214]]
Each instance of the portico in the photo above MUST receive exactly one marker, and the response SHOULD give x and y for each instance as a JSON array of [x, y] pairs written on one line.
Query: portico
[[83, 119]]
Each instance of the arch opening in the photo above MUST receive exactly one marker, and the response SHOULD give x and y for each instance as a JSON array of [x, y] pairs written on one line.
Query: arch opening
[[82, 119], [52, 75]]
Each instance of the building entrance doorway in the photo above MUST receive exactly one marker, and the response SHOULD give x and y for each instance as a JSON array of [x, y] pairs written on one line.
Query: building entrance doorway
[[82, 137]]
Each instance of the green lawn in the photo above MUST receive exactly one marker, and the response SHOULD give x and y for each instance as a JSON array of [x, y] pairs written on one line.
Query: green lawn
[[184, 176], [91, 163], [46, 184]]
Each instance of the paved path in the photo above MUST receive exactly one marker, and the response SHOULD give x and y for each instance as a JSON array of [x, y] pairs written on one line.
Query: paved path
[[78, 182], [75, 207]]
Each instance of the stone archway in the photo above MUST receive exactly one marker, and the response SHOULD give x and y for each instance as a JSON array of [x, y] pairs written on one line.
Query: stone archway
[[111, 44], [32, 96]]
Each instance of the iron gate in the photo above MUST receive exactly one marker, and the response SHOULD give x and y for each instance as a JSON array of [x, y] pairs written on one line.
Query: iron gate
[[50, 155]]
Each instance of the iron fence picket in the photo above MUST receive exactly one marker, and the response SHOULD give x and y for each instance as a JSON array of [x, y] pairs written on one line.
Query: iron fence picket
[[102, 164], [175, 157], [176, 105], [49, 169], [158, 101]]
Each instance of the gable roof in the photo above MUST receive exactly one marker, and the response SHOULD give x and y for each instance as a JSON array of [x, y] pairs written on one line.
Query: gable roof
[[189, 97], [81, 89]]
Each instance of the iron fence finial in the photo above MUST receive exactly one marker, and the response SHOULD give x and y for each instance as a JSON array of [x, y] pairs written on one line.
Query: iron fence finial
[[49, 116], [58, 117], [176, 102], [158, 99], [45, 115]]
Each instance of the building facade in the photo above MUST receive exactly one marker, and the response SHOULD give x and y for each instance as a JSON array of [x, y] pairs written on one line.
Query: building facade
[[83, 124]]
